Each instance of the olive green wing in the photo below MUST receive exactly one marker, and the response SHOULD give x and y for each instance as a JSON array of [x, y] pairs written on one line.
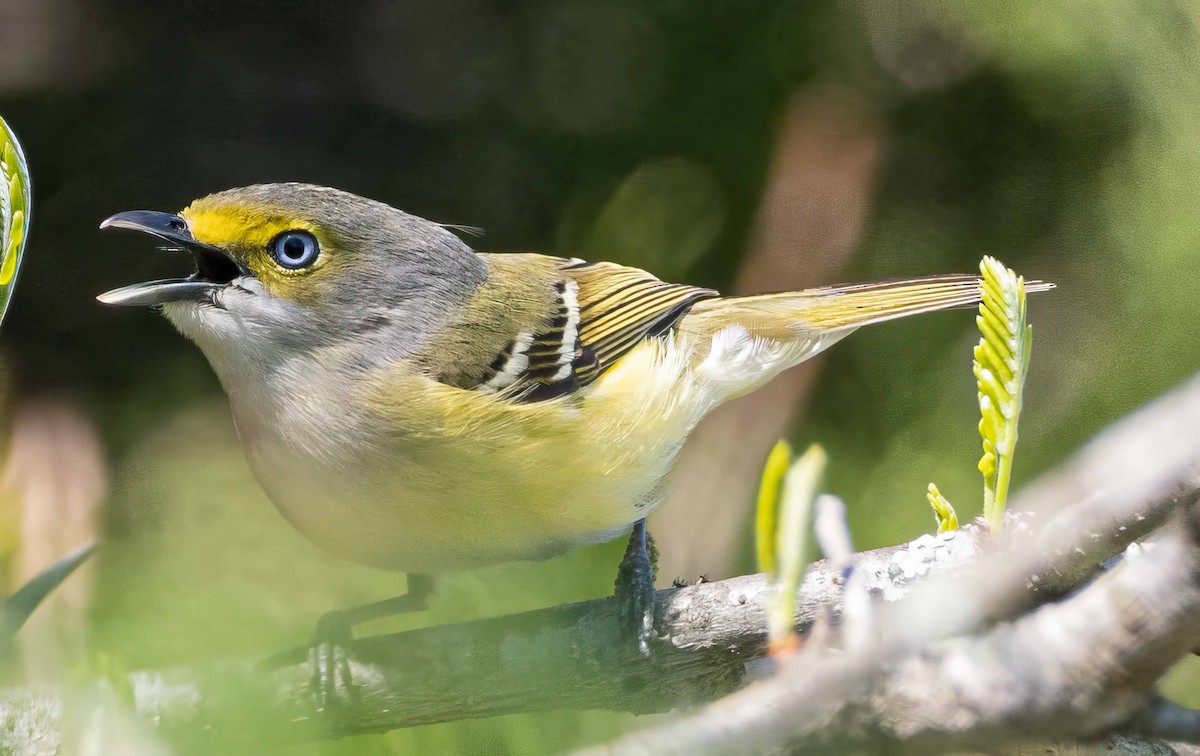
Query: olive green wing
[[597, 313], [563, 324], [14, 211], [618, 307]]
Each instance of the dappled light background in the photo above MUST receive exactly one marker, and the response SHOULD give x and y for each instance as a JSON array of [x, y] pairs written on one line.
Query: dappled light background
[[749, 146]]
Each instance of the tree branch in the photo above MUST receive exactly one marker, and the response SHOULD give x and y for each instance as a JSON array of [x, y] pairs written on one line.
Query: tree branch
[[578, 656], [1152, 454], [1068, 671], [941, 597]]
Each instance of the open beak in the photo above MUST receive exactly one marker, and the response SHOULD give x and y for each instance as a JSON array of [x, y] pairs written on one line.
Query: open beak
[[214, 268]]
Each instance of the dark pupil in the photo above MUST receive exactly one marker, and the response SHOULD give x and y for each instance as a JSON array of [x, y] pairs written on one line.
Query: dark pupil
[[294, 247]]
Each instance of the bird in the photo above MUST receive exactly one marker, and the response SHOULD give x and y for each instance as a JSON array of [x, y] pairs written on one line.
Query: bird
[[412, 404]]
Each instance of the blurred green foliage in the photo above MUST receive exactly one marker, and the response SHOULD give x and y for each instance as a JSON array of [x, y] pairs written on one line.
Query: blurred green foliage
[[785, 530], [766, 507], [1060, 137], [14, 212]]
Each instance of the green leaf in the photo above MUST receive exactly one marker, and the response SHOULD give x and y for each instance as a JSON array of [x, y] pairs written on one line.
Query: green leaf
[[791, 541], [17, 607], [1001, 362], [767, 508], [943, 513], [14, 211]]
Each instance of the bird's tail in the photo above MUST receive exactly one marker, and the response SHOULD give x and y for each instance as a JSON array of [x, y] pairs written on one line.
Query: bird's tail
[[832, 308], [753, 338]]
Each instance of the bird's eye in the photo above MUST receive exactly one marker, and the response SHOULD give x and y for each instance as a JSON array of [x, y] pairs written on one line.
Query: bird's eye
[[295, 249]]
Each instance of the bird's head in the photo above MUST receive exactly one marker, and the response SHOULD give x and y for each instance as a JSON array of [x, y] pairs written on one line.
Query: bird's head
[[297, 266]]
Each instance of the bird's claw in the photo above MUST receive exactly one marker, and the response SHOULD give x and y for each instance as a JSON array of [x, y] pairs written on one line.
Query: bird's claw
[[635, 589], [329, 663], [638, 617]]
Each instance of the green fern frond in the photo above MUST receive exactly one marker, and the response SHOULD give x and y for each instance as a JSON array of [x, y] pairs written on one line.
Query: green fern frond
[[943, 513], [14, 211], [767, 508], [1001, 361]]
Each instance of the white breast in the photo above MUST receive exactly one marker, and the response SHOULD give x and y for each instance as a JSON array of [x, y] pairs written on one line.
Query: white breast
[[444, 479], [498, 482]]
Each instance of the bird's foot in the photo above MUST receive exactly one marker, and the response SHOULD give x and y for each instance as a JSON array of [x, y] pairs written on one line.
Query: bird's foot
[[635, 588], [329, 662], [328, 656]]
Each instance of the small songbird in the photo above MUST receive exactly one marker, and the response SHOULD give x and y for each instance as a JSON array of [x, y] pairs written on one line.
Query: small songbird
[[413, 405]]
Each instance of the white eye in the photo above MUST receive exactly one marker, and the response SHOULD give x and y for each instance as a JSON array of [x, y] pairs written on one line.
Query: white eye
[[295, 249]]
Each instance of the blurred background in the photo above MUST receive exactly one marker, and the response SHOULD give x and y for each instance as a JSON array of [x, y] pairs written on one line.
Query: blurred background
[[748, 145]]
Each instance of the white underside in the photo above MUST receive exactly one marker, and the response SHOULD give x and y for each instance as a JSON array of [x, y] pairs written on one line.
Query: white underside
[[433, 480]]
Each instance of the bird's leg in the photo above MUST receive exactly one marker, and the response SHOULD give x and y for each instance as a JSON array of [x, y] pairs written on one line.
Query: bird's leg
[[327, 657], [635, 586]]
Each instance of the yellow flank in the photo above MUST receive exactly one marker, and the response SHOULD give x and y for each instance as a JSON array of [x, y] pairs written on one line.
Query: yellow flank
[[521, 481]]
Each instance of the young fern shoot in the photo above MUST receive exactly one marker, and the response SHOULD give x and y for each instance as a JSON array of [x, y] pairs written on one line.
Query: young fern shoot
[[943, 512], [767, 510], [782, 528], [14, 211], [1001, 362]]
